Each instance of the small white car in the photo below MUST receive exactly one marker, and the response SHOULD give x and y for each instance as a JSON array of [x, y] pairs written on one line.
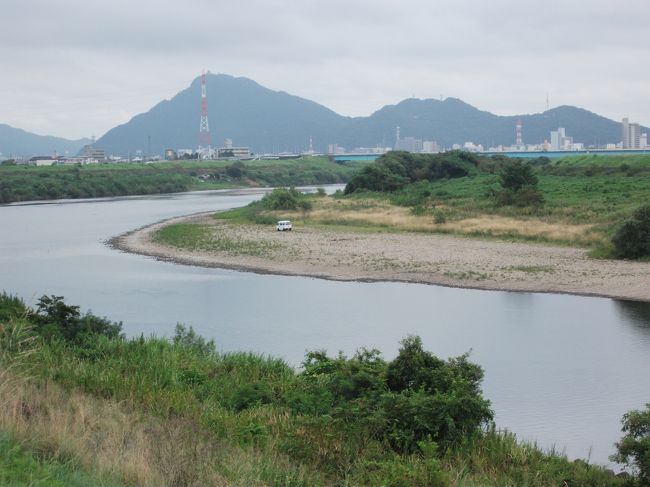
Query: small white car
[[283, 225]]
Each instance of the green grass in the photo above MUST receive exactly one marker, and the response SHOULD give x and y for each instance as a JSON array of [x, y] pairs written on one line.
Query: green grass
[[19, 468], [23, 183], [253, 420], [197, 237]]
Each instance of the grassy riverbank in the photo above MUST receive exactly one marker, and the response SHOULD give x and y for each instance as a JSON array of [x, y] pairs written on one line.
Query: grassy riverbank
[[27, 183], [584, 200], [152, 411]]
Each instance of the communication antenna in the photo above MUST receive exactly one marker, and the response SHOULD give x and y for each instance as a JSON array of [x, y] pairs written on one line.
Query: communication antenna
[[205, 139]]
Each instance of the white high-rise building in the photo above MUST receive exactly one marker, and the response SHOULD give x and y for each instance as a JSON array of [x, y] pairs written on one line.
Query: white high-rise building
[[560, 141], [625, 129], [635, 136], [631, 135]]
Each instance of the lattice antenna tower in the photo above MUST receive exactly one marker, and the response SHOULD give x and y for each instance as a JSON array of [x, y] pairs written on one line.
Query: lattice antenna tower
[[205, 139], [520, 141]]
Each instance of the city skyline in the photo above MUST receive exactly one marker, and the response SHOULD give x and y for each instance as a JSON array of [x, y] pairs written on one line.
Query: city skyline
[[80, 68]]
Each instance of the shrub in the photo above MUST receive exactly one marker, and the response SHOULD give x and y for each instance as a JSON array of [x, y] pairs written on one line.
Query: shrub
[[253, 394], [235, 170], [285, 199], [393, 171], [56, 320], [519, 185], [634, 448], [632, 239], [414, 398], [11, 307], [187, 337], [515, 176]]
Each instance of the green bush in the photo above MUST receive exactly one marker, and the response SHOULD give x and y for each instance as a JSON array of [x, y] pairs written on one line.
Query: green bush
[[11, 307], [632, 239], [56, 320], [519, 185], [516, 175], [394, 170], [415, 397], [187, 337], [634, 448], [253, 394], [285, 199]]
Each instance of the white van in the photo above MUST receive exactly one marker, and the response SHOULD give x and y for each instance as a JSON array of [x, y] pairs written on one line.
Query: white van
[[283, 225]]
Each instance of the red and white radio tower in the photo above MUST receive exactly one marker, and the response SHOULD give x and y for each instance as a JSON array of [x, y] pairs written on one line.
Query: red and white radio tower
[[205, 139]]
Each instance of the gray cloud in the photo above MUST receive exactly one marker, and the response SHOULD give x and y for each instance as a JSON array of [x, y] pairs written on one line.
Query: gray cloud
[[76, 68]]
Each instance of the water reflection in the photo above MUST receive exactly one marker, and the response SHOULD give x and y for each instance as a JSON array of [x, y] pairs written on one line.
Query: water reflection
[[636, 313]]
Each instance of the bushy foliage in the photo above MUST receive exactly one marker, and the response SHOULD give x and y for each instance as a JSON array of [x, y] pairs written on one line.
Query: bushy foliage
[[86, 184], [236, 170], [632, 239], [634, 448], [187, 337], [11, 307], [25, 183], [394, 170], [285, 199], [516, 175], [415, 397], [519, 185], [56, 320]]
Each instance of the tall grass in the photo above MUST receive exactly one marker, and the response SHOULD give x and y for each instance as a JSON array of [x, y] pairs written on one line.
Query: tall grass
[[151, 411]]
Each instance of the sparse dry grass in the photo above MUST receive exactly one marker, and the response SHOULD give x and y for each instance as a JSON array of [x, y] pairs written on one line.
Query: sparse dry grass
[[377, 213], [497, 225], [102, 436]]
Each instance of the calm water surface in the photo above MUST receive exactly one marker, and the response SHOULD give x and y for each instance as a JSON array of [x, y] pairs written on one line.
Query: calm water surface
[[560, 369]]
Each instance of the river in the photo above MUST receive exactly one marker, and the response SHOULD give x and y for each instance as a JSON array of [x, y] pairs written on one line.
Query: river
[[560, 370]]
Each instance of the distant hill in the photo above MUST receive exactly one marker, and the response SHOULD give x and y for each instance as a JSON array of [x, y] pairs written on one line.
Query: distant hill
[[453, 121], [18, 142], [274, 121], [239, 109]]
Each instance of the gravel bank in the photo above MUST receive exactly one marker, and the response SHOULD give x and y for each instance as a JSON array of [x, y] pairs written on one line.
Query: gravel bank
[[422, 258]]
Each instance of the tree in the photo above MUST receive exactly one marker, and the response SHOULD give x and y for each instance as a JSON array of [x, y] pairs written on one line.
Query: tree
[[632, 239], [515, 176], [55, 319], [634, 448], [519, 184]]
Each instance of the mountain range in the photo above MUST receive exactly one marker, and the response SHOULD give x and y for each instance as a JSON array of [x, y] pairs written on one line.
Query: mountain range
[[274, 121], [18, 142]]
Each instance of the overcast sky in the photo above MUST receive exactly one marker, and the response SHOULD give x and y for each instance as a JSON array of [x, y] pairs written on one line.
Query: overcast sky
[[76, 68]]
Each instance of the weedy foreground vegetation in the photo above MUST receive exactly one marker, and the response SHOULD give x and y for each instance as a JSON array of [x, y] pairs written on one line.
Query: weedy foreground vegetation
[[80, 403], [28, 183], [595, 202]]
